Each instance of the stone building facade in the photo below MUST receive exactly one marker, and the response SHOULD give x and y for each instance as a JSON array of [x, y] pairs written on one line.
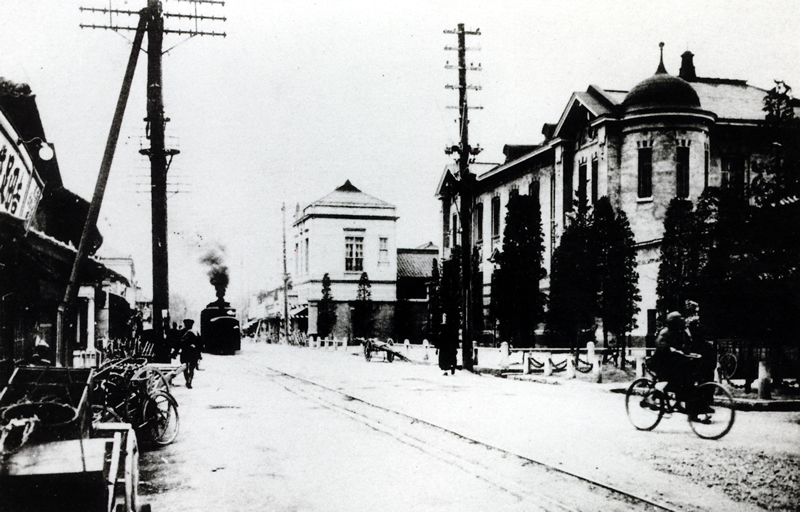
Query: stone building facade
[[669, 136]]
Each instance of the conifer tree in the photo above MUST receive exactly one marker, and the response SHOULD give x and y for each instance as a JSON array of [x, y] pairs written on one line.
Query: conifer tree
[[618, 290], [573, 283], [434, 304], [678, 272], [519, 302], [326, 314], [362, 308]]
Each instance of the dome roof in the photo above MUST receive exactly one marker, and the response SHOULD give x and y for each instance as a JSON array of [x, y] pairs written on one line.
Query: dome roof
[[662, 90]]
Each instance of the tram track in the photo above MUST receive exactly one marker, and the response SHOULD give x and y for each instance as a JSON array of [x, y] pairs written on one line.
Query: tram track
[[543, 485]]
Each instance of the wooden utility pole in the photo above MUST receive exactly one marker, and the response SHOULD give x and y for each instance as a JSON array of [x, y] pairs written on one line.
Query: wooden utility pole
[[466, 188], [160, 156], [285, 281], [158, 168], [62, 352]]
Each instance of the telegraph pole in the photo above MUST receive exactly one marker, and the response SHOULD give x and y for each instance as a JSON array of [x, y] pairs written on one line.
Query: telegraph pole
[[285, 280], [160, 156], [466, 189]]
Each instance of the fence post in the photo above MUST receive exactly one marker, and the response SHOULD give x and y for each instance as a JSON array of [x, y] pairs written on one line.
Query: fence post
[[595, 361], [570, 372], [548, 364], [639, 356], [526, 363], [764, 381], [504, 355]]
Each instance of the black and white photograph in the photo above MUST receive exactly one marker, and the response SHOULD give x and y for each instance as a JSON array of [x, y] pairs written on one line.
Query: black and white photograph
[[442, 255]]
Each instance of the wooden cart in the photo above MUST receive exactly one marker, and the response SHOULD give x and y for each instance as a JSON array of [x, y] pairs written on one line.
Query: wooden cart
[[372, 346], [54, 459]]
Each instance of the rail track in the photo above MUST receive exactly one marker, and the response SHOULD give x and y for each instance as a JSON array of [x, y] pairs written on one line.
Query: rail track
[[543, 486]]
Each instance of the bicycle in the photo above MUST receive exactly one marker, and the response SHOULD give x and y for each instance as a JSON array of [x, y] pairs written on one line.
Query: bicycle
[[130, 392], [727, 362], [646, 404]]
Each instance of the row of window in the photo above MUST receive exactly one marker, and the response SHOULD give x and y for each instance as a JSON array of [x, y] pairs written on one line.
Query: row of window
[[682, 172], [733, 176], [354, 253]]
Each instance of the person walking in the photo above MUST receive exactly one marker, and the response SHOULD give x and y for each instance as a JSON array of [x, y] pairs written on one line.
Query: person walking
[[189, 347]]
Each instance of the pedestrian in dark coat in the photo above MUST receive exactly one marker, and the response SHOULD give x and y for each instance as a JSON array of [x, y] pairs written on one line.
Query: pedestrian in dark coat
[[189, 348]]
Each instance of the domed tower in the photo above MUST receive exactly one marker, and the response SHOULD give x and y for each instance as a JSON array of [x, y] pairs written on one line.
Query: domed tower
[[665, 136]]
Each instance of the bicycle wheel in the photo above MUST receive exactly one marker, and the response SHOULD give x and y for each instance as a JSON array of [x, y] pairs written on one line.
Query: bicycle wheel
[[390, 356], [727, 365], [644, 403], [160, 421], [367, 353], [155, 379], [715, 412]]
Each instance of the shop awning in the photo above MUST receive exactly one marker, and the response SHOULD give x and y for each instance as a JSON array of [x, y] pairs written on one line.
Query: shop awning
[[299, 312]]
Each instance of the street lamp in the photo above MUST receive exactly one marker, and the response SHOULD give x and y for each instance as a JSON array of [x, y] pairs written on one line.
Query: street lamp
[[46, 152]]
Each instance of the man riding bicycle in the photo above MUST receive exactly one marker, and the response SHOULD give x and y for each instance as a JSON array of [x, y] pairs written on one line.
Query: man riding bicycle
[[676, 362]]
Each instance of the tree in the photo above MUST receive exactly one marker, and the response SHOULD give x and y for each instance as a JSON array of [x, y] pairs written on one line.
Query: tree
[[326, 312], [519, 302], [573, 283], [434, 304], [678, 272], [362, 308], [778, 178], [618, 290], [477, 295], [450, 293]]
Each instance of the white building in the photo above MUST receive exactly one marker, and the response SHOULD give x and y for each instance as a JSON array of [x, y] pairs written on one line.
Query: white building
[[345, 234]]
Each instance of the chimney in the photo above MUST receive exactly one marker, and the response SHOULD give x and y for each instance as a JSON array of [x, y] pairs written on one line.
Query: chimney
[[687, 67]]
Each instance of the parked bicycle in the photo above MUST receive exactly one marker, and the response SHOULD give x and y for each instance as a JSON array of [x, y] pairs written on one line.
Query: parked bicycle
[[647, 402], [130, 391], [727, 361]]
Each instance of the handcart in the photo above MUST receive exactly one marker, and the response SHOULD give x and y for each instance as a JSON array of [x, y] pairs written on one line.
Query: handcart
[[53, 458], [372, 346]]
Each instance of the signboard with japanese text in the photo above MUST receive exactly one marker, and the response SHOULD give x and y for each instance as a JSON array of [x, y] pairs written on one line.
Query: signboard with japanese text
[[20, 185]]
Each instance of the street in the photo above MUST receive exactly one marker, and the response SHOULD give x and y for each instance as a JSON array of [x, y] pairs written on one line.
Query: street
[[400, 436]]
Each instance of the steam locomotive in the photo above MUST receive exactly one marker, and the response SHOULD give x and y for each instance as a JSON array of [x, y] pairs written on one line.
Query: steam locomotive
[[219, 328]]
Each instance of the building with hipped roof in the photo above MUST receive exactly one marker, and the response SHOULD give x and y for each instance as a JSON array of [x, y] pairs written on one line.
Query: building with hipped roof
[[669, 136], [345, 235]]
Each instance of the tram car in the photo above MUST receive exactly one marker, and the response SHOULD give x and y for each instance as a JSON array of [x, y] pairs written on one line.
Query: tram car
[[219, 329]]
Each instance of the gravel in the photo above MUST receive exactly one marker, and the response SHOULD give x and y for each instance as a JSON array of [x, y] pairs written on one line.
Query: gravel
[[771, 482]]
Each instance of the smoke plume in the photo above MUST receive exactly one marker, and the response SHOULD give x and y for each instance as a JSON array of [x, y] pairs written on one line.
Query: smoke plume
[[217, 272]]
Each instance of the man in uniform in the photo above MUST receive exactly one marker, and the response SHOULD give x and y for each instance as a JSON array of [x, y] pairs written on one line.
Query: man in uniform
[[189, 350]]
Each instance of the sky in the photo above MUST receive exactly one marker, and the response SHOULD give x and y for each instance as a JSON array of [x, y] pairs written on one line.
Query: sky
[[304, 95]]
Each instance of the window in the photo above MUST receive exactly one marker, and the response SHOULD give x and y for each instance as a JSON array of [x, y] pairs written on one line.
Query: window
[[495, 216], [446, 223], [305, 256], [568, 203], [595, 181], [383, 250], [296, 258], [514, 192], [645, 172], [479, 222], [533, 191], [354, 254], [733, 175], [682, 172], [455, 230], [707, 169], [582, 185]]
